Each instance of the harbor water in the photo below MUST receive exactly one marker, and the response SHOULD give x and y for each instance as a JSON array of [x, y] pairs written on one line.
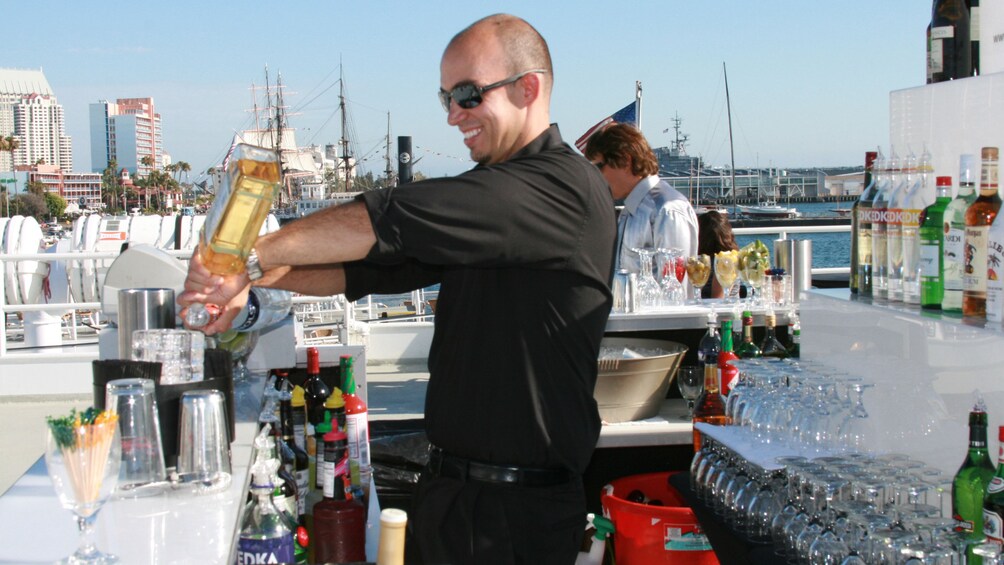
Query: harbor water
[[828, 249]]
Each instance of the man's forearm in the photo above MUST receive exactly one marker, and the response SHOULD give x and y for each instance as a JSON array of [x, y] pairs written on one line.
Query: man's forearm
[[313, 280], [330, 236]]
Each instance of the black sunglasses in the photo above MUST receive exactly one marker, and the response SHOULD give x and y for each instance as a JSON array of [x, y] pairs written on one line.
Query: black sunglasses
[[469, 96]]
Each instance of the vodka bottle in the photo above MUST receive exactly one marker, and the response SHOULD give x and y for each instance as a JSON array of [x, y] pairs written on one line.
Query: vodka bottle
[[710, 406], [949, 52], [894, 229], [920, 186], [979, 217], [993, 501], [250, 183], [932, 246], [265, 536], [747, 349], [880, 243], [861, 232], [971, 480], [955, 234]]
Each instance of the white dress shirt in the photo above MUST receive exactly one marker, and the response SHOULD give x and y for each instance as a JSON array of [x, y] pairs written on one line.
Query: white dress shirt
[[655, 215]]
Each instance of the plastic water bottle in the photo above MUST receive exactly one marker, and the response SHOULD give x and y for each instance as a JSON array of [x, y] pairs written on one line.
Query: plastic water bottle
[[265, 307]]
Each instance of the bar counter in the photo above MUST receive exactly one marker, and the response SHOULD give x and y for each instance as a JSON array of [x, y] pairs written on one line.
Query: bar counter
[[172, 527]]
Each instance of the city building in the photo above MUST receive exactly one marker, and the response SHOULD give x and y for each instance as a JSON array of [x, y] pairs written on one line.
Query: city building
[[80, 189], [30, 113], [126, 130]]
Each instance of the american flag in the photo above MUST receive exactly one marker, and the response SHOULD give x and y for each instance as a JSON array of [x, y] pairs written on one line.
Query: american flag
[[628, 114]]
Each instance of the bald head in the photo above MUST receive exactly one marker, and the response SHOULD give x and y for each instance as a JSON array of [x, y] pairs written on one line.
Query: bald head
[[521, 45]]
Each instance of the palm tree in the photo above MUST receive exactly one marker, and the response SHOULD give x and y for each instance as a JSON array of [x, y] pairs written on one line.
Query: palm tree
[[11, 144]]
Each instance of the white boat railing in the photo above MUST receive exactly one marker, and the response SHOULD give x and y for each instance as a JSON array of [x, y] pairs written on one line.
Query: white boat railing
[[81, 321]]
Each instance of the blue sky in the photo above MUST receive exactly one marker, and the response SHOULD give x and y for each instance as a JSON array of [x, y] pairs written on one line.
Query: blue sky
[[809, 81]]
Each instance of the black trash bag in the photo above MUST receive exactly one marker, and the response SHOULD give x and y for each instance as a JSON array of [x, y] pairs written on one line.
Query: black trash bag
[[397, 461]]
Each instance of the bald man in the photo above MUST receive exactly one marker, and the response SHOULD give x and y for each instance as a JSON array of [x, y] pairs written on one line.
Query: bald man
[[522, 247]]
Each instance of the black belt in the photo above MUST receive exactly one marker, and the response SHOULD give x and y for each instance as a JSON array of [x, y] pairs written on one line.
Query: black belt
[[443, 464]]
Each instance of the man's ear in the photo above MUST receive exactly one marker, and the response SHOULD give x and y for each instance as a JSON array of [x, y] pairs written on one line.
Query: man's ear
[[530, 86]]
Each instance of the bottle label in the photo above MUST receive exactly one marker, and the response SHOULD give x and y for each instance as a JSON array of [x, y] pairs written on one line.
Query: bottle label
[[995, 285], [942, 32], [930, 258], [955, 237], [996, 485], [359, 441], [252, 551], [974, 278], [993, 526], [302, 488]]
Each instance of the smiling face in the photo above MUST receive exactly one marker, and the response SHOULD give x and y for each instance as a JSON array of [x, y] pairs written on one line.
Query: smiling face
[[499, 126]]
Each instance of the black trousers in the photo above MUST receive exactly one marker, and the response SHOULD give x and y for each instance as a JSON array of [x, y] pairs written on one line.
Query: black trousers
[[458, 522]]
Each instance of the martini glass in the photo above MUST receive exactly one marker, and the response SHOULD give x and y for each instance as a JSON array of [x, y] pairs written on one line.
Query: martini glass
[[83, 463]]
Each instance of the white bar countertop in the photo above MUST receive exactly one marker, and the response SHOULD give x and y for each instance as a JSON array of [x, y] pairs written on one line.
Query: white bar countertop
[[172, 527]]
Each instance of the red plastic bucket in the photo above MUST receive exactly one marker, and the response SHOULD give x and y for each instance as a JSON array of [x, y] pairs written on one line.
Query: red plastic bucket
[[647, 535]]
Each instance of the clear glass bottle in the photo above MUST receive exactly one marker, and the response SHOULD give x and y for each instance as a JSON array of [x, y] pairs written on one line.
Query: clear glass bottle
[[979, 217], [770, 346], [955, 234], [710, 406], [894, 228], [880, 241], [932, 247], [711, 343], [239, 209], [861, 232], [920, 187], [264, 535]]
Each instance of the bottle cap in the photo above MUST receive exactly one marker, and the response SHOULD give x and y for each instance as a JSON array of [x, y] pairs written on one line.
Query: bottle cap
[[1000, 434], [313, 361], [393, 516], [335, 399], [298, 399], [944, 181], [989, 153], [334, 436]]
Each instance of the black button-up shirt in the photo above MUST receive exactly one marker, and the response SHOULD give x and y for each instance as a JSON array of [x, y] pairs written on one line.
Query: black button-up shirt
[[523, 252]]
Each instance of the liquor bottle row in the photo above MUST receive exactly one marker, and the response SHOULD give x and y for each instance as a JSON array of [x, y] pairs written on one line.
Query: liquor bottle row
[[912, 244], [715, 354], [311, 475]]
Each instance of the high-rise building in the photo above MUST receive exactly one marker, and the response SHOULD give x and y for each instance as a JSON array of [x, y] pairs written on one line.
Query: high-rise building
[[126, 130], [30, 114]]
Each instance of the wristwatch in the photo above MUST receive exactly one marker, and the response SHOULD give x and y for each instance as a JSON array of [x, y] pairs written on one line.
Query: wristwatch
[[253, 266]]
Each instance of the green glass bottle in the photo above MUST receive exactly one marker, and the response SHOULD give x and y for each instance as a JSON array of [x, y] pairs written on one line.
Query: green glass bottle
[[971, 480], [932, 247], [747, 349], [993, 502]]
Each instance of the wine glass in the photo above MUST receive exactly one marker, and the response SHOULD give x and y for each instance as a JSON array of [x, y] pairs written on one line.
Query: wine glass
[[726, 271], [649, 295], [83, 463], [690, 381], [240, 345], [672, 270], [699, 271]]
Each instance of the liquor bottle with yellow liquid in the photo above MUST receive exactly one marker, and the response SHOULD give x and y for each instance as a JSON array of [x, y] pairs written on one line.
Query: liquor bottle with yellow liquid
[[250, 183]]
